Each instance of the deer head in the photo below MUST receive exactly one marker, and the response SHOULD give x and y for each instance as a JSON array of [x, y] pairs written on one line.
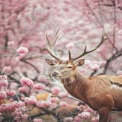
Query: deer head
[[64, 69], [67, 69]]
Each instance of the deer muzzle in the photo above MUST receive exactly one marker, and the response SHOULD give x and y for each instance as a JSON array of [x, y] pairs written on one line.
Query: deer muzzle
[[55, 74]]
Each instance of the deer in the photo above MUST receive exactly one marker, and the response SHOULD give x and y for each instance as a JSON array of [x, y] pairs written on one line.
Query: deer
[[102, 93]]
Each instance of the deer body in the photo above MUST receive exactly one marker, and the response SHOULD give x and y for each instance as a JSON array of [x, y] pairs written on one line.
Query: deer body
[[102, 93], [97, 92]]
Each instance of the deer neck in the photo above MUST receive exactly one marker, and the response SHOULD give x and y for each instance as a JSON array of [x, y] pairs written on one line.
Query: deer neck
[[76, 85]]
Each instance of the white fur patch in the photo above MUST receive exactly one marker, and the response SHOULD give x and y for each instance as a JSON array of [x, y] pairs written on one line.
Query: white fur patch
[[114, 86]]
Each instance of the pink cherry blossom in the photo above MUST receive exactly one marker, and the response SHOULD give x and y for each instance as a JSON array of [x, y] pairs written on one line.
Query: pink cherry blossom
[[63, 94], [18, 114], [11, 92], [20, 104], [2, 95], [11, 43], [11, 106], [43, 79], [3, 81], [30, 100], [37, 120], [63, 104], [2, 108], [82, 107], [22, 50], [7, 69], [43, 103], [26, 82], [15, 61], [54, 100], [87, 62], [70, 45], [95, 0], [23, 89], [13, 86], [56, 90], [24, 116], [39, 86], [119, 72], [77, 119], [84, 115], [88, 109], [94, 66], [102, 63], [53, 105], [68, 119]]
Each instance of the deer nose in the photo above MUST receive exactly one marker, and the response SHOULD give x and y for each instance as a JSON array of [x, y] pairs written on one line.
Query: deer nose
[[54, 74]]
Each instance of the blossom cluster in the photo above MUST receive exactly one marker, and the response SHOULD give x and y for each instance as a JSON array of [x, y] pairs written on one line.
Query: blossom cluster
[[3, 81], [26, 82], [94, 65], [21, 108], [10, 106]]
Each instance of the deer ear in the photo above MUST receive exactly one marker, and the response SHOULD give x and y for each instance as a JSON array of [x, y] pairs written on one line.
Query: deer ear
[[51, 62], [80, 62]]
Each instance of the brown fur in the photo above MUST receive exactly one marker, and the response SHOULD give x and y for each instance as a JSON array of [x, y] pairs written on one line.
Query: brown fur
[[98, 92]]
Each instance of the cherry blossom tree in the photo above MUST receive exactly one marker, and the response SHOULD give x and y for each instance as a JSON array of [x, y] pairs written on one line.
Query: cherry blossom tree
[[27, 91]]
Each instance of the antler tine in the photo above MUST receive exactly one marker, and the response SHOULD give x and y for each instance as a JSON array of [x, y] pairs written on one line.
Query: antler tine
[[70, 58], [51, 46], [85, 49], [56, 37]]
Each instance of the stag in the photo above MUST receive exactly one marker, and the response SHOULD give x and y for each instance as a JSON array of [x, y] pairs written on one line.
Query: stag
[[102, 93]]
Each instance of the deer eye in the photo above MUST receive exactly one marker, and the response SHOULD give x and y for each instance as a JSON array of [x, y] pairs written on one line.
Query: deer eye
[[69, 67]]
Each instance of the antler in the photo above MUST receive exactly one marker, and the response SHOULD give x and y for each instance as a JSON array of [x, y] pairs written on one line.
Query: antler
[[69, 56], [51, 46], [85, 49]]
